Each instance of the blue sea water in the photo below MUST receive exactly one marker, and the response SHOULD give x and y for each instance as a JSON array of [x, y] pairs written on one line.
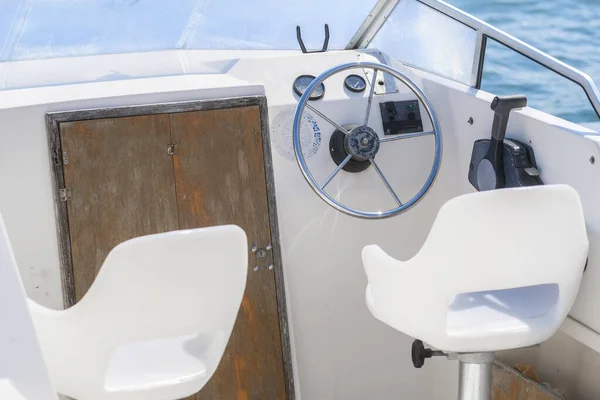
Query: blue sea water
[[566, 29]]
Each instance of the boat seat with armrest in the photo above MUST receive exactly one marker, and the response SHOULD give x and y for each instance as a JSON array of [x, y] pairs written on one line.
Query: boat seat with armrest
[[155, 322], [499, 270]]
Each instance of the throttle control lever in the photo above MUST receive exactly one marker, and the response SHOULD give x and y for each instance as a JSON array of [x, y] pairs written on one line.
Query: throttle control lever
[[492, 163], [498, 162]]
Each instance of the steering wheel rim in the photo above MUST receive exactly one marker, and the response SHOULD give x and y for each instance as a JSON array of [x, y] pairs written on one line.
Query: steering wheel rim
[[319, 189]]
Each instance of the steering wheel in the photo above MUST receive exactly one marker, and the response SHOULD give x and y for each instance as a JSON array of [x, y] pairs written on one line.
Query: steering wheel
[[361, 143]]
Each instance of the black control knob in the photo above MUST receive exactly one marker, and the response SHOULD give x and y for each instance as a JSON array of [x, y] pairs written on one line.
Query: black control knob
[[419, 353], [412, 115]]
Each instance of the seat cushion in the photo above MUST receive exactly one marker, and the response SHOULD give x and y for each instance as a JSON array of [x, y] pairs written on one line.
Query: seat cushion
[[509, 311], [142, 366]]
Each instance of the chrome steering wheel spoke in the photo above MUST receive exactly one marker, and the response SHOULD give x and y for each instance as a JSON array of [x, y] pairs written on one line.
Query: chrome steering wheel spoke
[[326, 118], [401, 136], [335, 171], [362, 142], [385, 181]]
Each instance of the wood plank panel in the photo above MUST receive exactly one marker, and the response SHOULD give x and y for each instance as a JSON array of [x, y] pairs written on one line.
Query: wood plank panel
[[508, 384], [122, 186], [220, 179]]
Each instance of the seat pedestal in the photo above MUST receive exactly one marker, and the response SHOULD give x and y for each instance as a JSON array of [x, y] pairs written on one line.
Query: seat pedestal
[[474, 375]]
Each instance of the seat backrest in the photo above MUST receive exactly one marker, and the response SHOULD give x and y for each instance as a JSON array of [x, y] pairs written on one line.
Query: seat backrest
[[508, 238], [22, 369], [169, 284], [491, 258]]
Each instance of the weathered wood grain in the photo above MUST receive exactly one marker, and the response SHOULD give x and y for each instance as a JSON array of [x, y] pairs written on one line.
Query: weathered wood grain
[[508, 384], [152, 109], [122, 186], [60, 208], [220, 179], [277, 257]]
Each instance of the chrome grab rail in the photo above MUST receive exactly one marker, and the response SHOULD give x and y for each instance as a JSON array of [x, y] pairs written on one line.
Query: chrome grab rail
[[376, 19]]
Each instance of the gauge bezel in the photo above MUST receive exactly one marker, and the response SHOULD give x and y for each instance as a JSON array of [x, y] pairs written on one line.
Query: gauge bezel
[[312, 96], [353, 89]]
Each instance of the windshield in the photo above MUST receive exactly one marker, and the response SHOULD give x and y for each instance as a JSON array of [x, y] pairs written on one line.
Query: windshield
[[35, 29]]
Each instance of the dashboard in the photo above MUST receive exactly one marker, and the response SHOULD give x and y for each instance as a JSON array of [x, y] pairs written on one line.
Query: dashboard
[[397, 117]]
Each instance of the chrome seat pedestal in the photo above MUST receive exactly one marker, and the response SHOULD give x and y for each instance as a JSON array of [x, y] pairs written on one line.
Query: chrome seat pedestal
[[474, 375]]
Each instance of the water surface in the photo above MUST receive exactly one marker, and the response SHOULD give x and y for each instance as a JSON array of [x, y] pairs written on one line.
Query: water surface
[[566, 29]]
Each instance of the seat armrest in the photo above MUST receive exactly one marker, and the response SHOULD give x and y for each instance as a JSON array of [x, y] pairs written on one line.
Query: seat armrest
[[393, 283]]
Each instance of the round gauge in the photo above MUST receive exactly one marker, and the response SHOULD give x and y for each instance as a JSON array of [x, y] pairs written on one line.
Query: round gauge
[[302, 82], [355, 83]]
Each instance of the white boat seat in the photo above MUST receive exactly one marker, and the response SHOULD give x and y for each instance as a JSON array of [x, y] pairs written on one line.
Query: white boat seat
[[8, 391], [155, 322], [499, 270], [23, 373]]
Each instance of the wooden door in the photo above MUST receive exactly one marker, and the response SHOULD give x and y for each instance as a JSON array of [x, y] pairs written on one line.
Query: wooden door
[[220, 179], [121, 186], [145, 174]]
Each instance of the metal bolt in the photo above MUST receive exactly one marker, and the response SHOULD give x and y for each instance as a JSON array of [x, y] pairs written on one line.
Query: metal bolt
[[364, 141], [261, 254], [592, 160], [470, 121], [256, 268], [171, 149], [268, 247], [254, 249], [271, 266]]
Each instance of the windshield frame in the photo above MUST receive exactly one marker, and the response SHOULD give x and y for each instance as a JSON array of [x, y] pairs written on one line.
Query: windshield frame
[[378, 17]]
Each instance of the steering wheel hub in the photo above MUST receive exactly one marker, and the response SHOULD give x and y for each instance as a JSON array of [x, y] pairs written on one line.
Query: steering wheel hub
[[362, 143]]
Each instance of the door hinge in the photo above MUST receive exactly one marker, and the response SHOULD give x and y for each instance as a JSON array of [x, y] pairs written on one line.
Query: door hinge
[[171, 149], [65, 194]]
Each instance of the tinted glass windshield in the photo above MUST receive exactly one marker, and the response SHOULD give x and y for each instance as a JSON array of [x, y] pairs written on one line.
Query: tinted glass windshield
[[34, 29]]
